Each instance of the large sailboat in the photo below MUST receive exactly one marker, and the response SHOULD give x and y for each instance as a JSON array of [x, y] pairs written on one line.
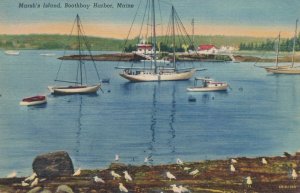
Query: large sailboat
[[286, 69], [156, 72], [79, 85]]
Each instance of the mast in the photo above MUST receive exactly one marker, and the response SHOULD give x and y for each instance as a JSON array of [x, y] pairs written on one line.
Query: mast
[[294, 43], [154, 37], [277, 50], [173, 34], [79, 48], [193, 30]]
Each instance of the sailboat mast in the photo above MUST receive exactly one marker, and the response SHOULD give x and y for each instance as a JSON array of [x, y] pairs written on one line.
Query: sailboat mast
[[154, 37], [173, 34], [277, 50], [294, 43], [79, 48], [193, 30]]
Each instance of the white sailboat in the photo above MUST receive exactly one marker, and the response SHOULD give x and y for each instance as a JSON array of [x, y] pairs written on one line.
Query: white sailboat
[[78, 87], [158, 73], [286, 69]]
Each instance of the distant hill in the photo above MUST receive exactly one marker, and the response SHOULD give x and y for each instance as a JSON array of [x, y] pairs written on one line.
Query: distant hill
[[60, 42]]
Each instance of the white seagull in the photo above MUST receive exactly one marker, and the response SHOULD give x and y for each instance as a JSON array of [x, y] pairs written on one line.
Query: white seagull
[[234, 161], [97, 179], [179, 161], [24, 184], [78, 172], [249, 181], [35, 182], [13, 174], [232, 168], [31, 177], [184, 189], [115, 175], [175, 188], [186, 168], [127, 176], [294, 174], [170, 176], [122, 188], [194, 172], [264, 161], [117, 157]]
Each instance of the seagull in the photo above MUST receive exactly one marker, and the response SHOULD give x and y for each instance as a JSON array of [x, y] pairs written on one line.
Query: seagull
[[77, 173], [264, 161], [127, 176], [233, 161], [13, 174], [122, 188], [175, 188], [24, 184], [183, 189], [186, 168], [170, 176], [117, 157], [294, 174], [249, 181], [115, 175], [97, 179], [194, 172], [31, 177], [232, 168], [179, 161], [35, 182]]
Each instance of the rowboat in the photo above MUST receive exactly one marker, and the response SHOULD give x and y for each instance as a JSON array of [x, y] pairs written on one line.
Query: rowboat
[[35, 100]]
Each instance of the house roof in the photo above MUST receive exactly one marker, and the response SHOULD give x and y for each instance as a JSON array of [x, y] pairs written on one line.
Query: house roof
[[206, 47]]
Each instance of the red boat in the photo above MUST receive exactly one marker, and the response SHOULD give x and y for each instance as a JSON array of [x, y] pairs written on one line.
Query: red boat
[[35, 100]]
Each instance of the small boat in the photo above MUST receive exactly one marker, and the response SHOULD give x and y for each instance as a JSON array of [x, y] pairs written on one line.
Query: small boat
[[192, 99], [47, 54], [12, 52], [208, 85], [35, 100], [80, 89]]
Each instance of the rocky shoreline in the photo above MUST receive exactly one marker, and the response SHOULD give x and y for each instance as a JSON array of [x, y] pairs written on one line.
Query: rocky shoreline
[[266, 174]]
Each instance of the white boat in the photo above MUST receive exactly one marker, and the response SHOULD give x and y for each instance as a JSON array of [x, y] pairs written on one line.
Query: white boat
[[79, 86], [286, 69], [159, 72], [47, 54], [208, 85], [12, 52], [35, 100]]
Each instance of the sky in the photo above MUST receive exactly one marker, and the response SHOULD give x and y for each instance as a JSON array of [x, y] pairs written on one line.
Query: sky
[[259, 18]]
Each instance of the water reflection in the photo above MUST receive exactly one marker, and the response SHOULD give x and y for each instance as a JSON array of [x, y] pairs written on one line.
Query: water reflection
[[171, 122], [78, 133], [152, 125]]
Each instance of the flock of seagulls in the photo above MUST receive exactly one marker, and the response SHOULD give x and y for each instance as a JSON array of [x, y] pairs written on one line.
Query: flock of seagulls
[[33, 180]]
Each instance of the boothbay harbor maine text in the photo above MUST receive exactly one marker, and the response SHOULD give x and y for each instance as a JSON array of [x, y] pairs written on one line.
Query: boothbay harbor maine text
[[75, 5], [149, 96]]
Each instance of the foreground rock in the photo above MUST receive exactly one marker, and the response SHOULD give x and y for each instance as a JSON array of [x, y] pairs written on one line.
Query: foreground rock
[[52, 165], [273, 175]]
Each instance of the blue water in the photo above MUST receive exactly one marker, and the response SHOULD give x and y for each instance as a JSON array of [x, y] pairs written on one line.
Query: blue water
[[260, 115]]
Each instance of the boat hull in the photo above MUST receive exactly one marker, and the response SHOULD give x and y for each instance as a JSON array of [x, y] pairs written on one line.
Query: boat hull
[[286, 70], [56, 90], [36, 100], [169, 76], [207, 89]]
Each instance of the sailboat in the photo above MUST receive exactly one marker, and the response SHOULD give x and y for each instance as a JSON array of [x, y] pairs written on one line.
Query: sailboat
[[158, 73], [287, 69], [78, 86]]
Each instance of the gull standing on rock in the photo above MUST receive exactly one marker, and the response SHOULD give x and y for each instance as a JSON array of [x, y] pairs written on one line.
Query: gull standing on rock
[[78, 172], [233, 161], [13, 174], [127, 176], [35, 182], [175, 188], [115, 175], [179, 161], [31, 177], [97, 179], [264, 161], [184, 189], [249, 181], [294, 174], [117, 157], [232, 168], [24, 184], [186, 168], [170, 176], [122, 188]]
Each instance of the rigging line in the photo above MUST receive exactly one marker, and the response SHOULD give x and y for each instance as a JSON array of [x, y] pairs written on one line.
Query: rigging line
[[161, 21], [148, 20], [143, 22], [264, 53], [69, 37]]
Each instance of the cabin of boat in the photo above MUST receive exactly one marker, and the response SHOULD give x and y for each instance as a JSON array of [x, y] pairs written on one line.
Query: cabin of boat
[[208, 85]]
